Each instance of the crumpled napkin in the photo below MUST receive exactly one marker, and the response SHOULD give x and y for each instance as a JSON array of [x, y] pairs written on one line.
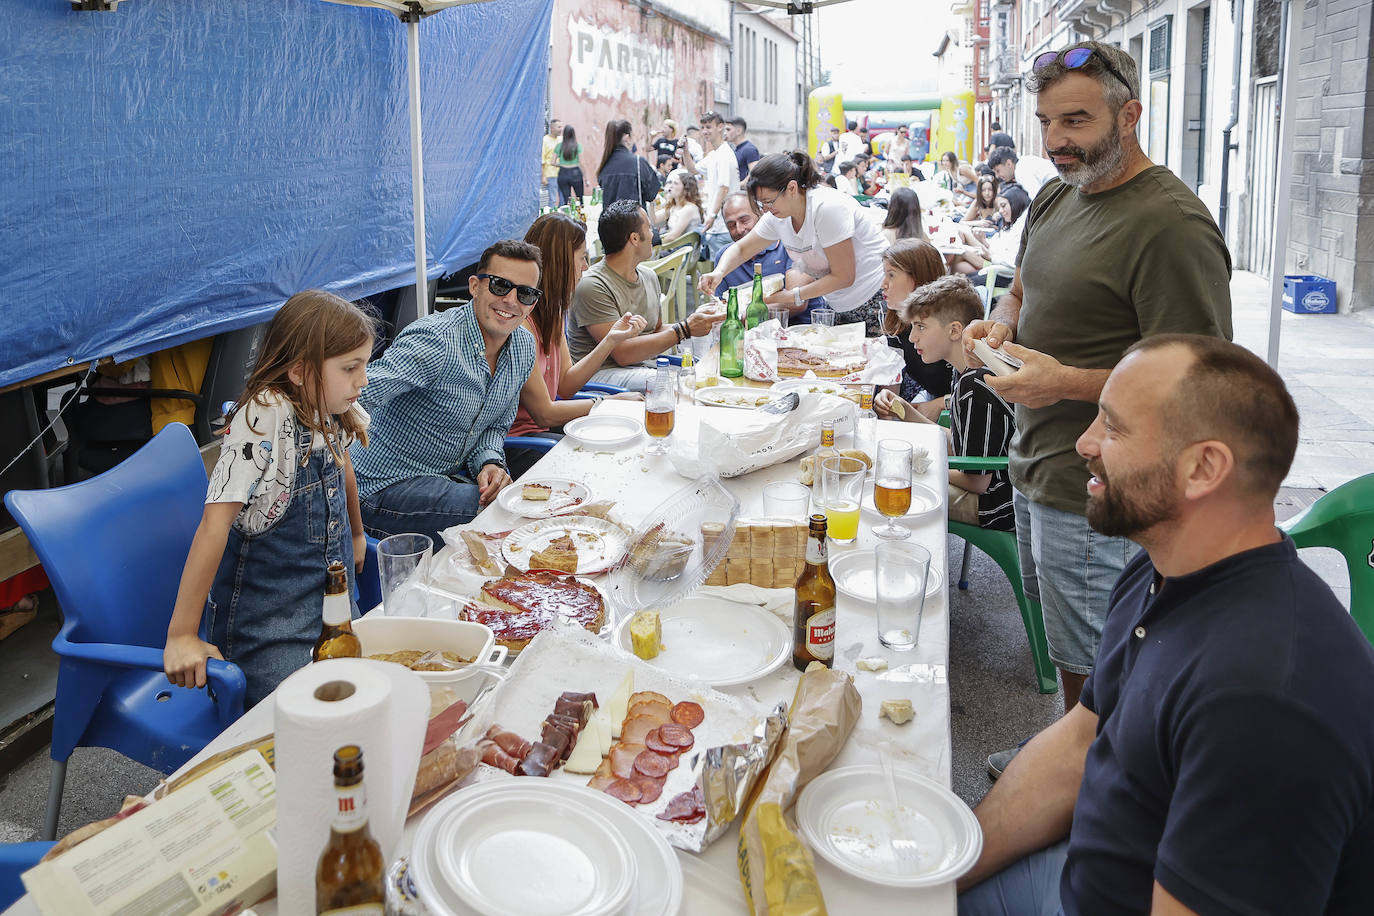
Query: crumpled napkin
[[778, 601]]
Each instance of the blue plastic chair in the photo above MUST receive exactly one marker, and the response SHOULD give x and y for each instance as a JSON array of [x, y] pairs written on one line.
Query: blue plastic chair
[[113, 548], [15, 859], [367, 585]]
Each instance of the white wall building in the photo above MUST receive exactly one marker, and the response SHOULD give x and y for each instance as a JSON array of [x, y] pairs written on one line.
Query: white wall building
[[767, 77]]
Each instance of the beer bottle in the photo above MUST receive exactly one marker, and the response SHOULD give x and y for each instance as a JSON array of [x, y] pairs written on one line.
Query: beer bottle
[[758, 309], [827, 449], [732, 339], [350, 877], [866, 425], [336, 632], [813, 615]]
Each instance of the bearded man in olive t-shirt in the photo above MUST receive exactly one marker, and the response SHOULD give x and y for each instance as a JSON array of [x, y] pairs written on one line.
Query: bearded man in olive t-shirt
[[1114, 250]]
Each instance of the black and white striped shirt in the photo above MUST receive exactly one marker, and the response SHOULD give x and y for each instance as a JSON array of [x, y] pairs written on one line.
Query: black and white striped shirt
[[981, 423]]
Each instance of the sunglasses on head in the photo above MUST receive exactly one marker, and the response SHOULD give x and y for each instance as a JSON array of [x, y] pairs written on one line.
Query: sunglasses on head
[[1074, 58], [500, 286]]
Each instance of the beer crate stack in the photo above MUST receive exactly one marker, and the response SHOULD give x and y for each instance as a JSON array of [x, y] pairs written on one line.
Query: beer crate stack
[[766, 553]]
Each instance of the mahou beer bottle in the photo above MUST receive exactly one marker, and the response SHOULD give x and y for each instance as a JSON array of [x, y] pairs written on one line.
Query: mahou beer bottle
[[336, 631], [813, 620], [350, 877]]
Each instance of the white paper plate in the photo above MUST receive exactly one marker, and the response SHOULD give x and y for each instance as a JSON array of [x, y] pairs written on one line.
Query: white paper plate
[[600, 544], [736, 396], [566, 494], [604, 430], [854, 575], [658, 884], [924, 500], [845, 816], [718, 642]]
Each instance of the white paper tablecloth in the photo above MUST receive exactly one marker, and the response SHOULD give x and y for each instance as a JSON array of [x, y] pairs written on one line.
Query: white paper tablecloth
[[638, 483]]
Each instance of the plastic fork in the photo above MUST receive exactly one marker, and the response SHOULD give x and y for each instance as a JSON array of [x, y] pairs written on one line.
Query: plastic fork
[[904, 849]]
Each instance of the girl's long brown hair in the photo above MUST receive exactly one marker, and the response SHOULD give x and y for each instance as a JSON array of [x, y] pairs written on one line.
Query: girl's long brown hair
[[310, 328], [557, 236], [920, 261], [691, 191]]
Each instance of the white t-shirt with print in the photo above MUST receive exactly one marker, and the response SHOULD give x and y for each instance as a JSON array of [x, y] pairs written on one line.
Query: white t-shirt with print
[[831, 218], [258, 460]]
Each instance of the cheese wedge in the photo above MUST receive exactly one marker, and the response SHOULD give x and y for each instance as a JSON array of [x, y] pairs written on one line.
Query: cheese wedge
[[619, 703], [586, 755]]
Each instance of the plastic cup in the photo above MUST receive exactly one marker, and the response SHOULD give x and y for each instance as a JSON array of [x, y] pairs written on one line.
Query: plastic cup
[[842, 487], [780, 314], [786, 499], [900, 569], [823, 316], [403, 563]]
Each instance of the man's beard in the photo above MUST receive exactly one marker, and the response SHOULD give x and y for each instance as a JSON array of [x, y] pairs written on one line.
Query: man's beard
[[1136, 502], [1102, 160]]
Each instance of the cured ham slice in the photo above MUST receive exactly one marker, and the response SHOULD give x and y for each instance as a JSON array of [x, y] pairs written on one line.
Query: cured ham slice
[[494, 756], [508, 741]]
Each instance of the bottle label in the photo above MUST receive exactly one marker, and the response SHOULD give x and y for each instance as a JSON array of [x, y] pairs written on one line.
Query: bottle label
[[820, 633], [827, 438], [866, 400], [816, 551], [337, 610], [351, 811]]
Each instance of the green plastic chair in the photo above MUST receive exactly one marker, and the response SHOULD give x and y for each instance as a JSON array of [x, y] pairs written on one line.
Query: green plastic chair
[[1344, 519], [1001, 547]]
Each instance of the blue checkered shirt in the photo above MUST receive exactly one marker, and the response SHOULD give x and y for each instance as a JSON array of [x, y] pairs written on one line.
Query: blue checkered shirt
[[436, 407]]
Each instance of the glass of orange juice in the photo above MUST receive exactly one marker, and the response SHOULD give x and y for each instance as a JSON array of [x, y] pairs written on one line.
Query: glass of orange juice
[[842, 485]]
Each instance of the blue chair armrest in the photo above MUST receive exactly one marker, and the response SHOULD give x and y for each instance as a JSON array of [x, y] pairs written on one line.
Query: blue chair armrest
[[229, 687], [225, 678], [603, 389], [534, 442]]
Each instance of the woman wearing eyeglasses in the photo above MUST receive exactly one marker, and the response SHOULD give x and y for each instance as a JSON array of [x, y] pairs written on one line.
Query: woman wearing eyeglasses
[[836, 250], [546, 399]]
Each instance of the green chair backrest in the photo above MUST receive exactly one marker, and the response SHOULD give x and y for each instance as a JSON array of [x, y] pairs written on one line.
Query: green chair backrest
[[1344, 519]]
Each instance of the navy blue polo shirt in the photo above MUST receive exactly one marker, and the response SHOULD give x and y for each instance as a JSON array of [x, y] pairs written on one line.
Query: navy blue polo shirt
[[1234, 758]]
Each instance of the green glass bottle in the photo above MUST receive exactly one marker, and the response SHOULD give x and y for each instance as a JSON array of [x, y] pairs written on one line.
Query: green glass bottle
[[758, 309], [732, 340]]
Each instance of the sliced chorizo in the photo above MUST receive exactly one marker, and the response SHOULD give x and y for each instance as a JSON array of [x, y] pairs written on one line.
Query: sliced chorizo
[[625, 790], [650, 788], [679, 736], [689, 714], [654, 743], [652, 763]]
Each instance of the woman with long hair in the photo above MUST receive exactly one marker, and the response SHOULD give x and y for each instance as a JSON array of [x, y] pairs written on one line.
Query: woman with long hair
[[903, 220], [545, 399], [836, 250], [681, 211], [622, 174], [568, 158], [1001, 247], [983, 210], [908, 264]]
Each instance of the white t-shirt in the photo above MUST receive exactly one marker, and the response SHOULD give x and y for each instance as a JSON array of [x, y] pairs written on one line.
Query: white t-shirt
[[720, 168], [831, 218], [851, 144], [1032, 172], [258, 468]]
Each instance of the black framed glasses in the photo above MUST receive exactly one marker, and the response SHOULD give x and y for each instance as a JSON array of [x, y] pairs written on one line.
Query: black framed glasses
[[500, 286], [1074, 58]]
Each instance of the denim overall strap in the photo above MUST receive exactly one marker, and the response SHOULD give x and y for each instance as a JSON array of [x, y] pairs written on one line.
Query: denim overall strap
[[264, 607]]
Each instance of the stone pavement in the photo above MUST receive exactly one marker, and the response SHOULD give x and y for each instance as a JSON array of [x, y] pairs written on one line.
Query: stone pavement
[[1327, 362]]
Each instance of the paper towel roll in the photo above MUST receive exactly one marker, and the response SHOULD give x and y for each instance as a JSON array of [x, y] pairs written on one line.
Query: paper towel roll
[[382, 708]]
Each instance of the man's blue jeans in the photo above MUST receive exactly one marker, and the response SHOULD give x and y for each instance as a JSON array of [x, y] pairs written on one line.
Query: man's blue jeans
[[420, 505], [1027, 887]]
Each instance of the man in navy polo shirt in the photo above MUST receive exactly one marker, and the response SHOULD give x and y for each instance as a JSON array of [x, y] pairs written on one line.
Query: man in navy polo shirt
[[740, 217], [1221, 757]]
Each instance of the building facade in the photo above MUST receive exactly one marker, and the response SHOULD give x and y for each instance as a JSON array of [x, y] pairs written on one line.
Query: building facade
[[768, 73]]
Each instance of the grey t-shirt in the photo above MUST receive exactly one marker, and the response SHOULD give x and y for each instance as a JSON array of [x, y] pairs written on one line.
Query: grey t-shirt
[[602, 295], [1100, 272]]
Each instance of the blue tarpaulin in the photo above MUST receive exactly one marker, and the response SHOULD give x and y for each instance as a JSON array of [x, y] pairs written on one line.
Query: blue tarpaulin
[[178, 168]]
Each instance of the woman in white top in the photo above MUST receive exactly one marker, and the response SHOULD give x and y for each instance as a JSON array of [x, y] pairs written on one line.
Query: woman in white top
[[681, 209], [836, 251]]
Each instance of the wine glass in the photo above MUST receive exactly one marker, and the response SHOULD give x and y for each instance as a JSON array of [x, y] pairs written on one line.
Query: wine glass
[[892, 486], [659, 403]]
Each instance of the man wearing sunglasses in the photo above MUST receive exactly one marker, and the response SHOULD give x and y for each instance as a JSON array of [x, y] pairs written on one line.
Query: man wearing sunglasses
[[1114, 250], [442, 398]]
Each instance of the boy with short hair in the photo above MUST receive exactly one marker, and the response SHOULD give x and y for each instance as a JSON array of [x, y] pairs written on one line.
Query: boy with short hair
[[981, 422]]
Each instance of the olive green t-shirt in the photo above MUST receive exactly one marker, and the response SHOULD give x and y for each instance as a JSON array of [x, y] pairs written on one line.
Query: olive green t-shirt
[[602, 296], [1100, 272]]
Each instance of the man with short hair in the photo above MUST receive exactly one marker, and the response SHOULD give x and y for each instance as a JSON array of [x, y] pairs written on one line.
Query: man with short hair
[[442, 398], [720, 176], [549, 159], [746, 153], [740, 217], [827, 151], [1096, 272], [1219, 760], [998, 138], [691, 151], [1030, 172], [850, 143], [620, 284]]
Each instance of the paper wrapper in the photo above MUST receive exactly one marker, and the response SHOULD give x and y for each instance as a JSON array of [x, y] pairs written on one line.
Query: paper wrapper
[[730, 443], [776, 867]]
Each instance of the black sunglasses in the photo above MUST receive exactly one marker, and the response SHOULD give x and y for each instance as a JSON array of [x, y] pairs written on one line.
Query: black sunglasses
[[500, 286], [1075, 58]]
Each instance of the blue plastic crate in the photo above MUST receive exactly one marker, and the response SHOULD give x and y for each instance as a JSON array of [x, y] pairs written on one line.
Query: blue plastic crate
[[1308, 294]]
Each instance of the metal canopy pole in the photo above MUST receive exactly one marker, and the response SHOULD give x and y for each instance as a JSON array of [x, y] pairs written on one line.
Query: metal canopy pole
[[1283, 205], [417, 165]]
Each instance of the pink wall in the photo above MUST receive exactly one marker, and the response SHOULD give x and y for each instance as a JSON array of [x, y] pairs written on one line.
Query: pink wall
[[609, 61]]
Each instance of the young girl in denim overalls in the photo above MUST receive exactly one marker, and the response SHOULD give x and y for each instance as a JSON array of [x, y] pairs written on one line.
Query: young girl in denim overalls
[[282, 502]]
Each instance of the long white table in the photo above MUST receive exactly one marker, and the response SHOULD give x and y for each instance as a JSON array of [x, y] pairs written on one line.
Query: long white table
[[639, 483]]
